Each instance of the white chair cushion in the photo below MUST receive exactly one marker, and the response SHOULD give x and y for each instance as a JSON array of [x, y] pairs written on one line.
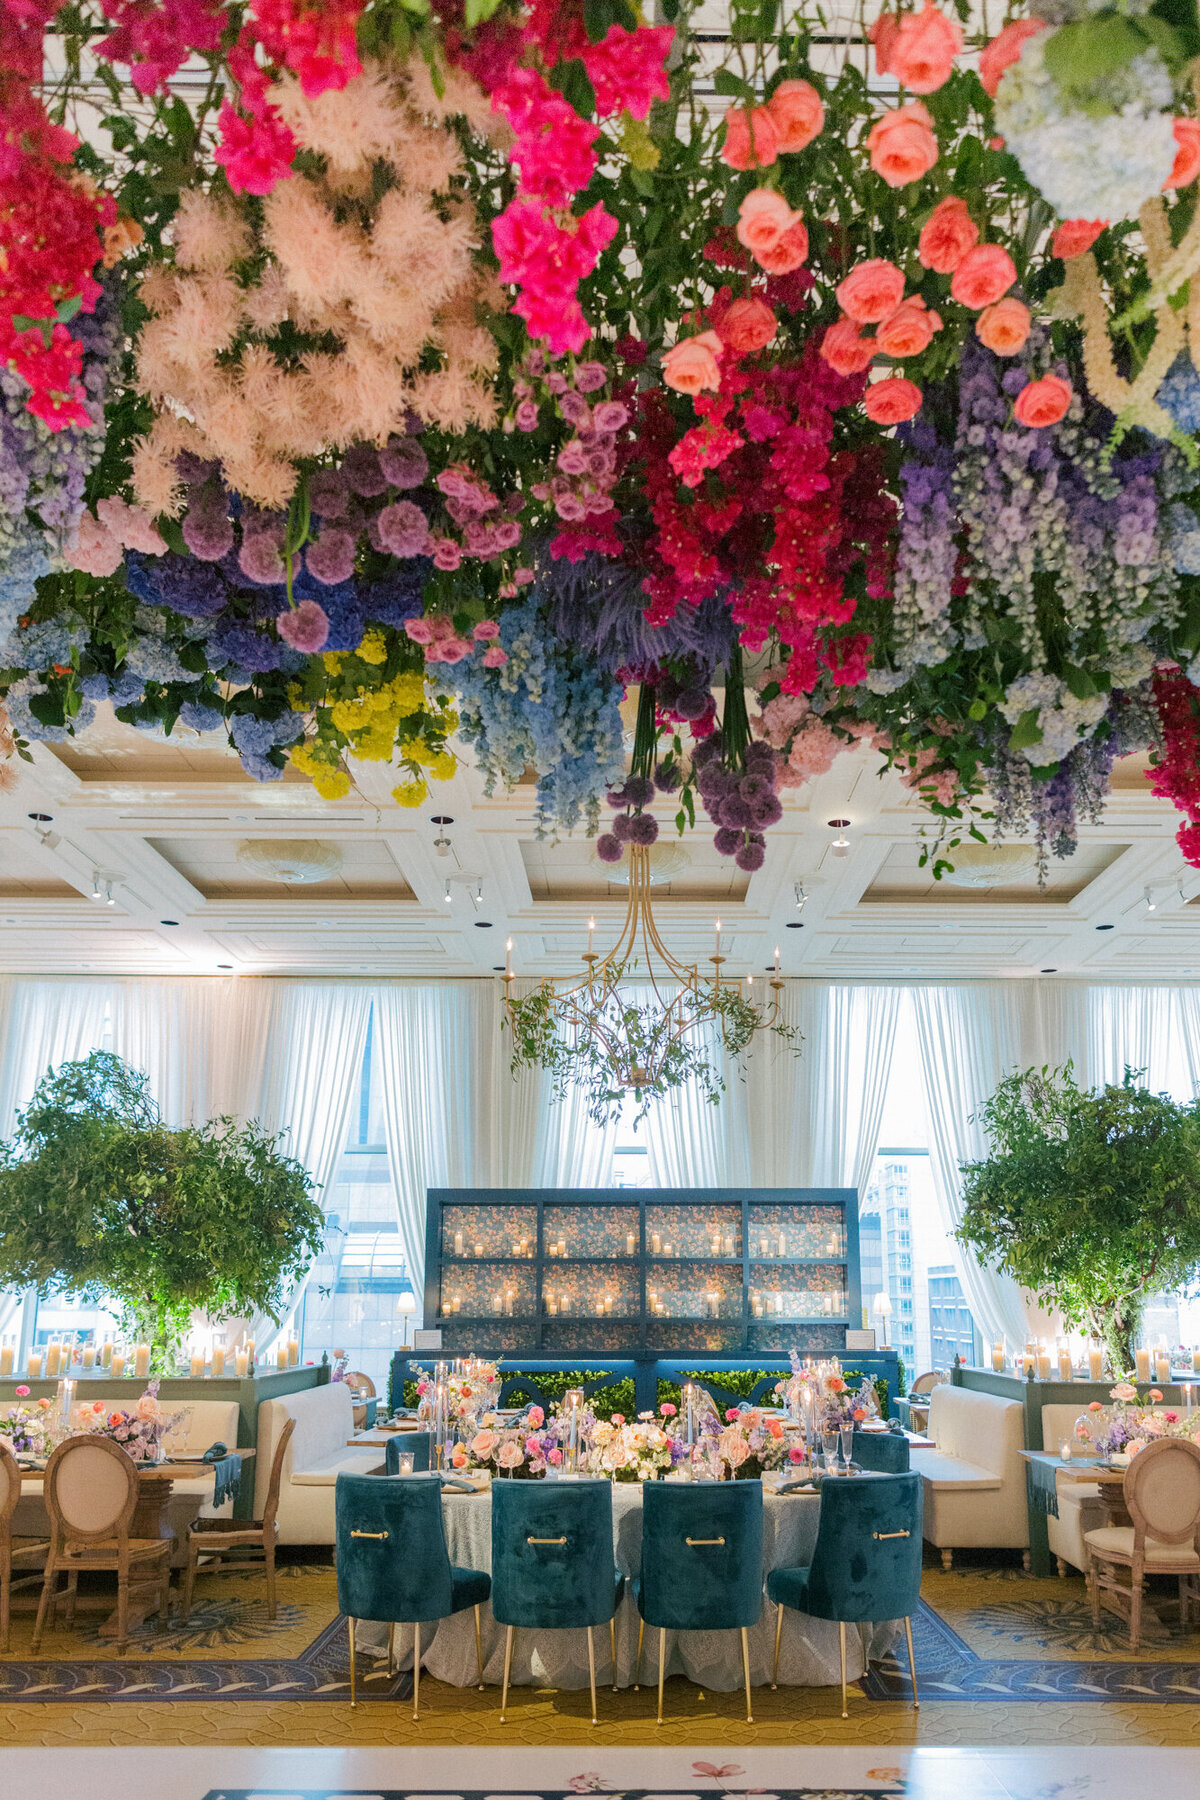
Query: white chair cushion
[[1117, 1540], [354, 1462], [942, 1471]]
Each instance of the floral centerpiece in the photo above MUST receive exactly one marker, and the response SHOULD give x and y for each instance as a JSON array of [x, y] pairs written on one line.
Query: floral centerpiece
[[749, 1445], [469, 1392], [1120, 1431], [637, 1450], [29, 1430], [140, 1433], [522, 1451]]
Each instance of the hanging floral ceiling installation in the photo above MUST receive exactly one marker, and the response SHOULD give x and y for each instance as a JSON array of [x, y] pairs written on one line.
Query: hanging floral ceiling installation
[[386, 376]]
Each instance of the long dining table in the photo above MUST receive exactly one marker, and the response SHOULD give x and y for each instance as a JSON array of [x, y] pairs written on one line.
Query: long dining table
[[808, 1655]]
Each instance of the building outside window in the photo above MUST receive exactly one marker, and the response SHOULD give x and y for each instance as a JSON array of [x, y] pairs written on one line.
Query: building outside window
[[952, 1330]]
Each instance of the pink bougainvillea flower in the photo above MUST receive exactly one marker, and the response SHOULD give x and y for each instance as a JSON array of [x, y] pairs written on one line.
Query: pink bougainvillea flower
[[751, 138], [256, 153], [902, 144], [921, 55], [984, 274], [797, 113], [1186, 166], [1005, 49], [1042, 403], [946, 236], [627, 69], [1074, 236], [891, 401], [871, 291]]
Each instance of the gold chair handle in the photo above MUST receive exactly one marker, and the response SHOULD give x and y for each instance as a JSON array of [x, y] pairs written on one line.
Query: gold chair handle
[[370, 1534], [561, 1540], [880, 1536], [692, 1542]]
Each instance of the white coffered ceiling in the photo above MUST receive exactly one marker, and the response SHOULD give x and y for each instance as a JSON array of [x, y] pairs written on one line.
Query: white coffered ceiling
[[161, 822]]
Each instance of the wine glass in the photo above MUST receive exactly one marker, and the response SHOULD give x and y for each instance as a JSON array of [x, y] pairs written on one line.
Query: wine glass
[[829, 1445], [847, 1437]]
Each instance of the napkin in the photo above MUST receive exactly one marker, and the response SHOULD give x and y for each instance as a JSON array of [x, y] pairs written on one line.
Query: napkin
[[228, 1478]]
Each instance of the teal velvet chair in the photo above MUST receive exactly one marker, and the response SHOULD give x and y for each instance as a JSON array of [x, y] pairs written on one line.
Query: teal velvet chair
[[417, 1444], [884, 1452], [702, 1547], [393, 1564], [552, 1564], [866, 1564]]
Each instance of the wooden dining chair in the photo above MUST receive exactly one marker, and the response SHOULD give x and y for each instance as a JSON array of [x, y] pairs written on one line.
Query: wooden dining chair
[[91, 1490], [237, 1545], [14, 1552], [362, 1384], [1161, 1490]]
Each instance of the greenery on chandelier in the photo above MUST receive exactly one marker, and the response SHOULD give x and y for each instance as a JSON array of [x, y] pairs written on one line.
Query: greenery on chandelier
[[99, 1198], [1091, 1201]]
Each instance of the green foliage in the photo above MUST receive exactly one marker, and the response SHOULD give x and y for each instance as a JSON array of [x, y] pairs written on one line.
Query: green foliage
[[98, 1196], [1089, 1200]]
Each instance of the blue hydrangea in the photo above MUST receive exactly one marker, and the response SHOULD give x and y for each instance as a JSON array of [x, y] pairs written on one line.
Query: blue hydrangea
[[1180, 394], [153, 661], [397, 597], [182, 583], [1183, 529], [201, 717], [128, 689], [40, 646], [235, 641], [94, 687]]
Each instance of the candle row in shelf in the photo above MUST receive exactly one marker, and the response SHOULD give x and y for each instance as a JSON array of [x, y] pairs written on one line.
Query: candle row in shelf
[[1150, 1364], [49, 1362]]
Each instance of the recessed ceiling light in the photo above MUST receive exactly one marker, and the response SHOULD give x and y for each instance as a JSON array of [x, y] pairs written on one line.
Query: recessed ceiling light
[[1106, 928], [483, 924], [40, 818], [1049, 971], [795, 924], [224, 965], [168, 921], [441, 819]]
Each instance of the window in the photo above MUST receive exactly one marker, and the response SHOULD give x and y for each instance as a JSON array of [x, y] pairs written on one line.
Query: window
[[631, 1158]]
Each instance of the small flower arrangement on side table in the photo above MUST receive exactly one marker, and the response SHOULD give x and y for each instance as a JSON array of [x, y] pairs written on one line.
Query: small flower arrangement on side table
[[29, 1432], [140, 1433]]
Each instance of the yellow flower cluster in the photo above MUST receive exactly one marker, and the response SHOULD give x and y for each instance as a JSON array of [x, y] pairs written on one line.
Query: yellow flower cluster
[[366, 723]]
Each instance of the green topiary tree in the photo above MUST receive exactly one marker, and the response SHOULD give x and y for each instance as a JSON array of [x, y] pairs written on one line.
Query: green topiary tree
[[98, 1196], [1089, 1200]]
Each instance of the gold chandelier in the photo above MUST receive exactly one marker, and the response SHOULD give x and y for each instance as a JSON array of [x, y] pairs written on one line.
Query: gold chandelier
[[585, 1032]]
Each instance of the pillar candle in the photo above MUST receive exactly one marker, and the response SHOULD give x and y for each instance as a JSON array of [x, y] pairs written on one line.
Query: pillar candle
[[141, 1360], [728, 1245], [118, 1364], [458, 1243], [1095, 1363], [479, 1249], [34, 1370], [196, 1367], [782, 1244], [998, 1356], [89, 1356], [1196, 1362], [655, 1244], [250, 1351], [1043, 1365], [53, 1358], [630, 1243], [1066, 1369], [762, 1246], [552, 1307], [564, 1302], [1142, 1358], [6, 1359], [1162, 1367], [241, 1364], [106, 1354], [218, 1360]]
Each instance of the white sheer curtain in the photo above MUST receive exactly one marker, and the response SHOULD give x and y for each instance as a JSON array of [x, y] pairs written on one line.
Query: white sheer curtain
[[1133, 1027], [1188, 1003], [50, 1021], [970, 1038]]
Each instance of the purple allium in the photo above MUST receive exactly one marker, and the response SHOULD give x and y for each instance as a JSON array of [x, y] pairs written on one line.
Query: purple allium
[[667, 779], [622, 828], [750, 857], [404, 529], [360, 466], [767, 811], [331, 557], [643, 829], [207, 534], [729, 841], [691, 703], [760, 760], [609, 848], [260, 561], [618, 796], [404, 463], [329, 493], [753, 787], [640, 790], [707, 751], [733, 811], [305, 627]]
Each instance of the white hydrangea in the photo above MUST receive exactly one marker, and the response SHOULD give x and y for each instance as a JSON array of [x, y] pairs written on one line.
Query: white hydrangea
[[1089, 168], [1064, 720]]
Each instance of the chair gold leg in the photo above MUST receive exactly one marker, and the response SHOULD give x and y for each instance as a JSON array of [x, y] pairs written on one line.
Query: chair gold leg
[[842, 1646], [912, 1662], [662, 1662], [391, 1648], [778, 1635], [637, 1679], [592, 1673], [416, 1671], [353, 1700], [746, 1674], [508, 1644], [612, 1644], [478, 1650]]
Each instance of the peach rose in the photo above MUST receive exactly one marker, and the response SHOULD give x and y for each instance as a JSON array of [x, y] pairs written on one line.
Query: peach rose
[[748, 325], [902, 144], [1043, 402], [1004, 50], [1186, 166], [883, 34], [924, 50], [908, 330], [872, 291], [511, 1456], [787, 253], [482, 1445], [763, 218], [983, 275], [692, 364], [738, 150], [798, 115], [891, 401], [946, 236], [1074, 236], [846, 350], [1003, 326], [736, 1453]]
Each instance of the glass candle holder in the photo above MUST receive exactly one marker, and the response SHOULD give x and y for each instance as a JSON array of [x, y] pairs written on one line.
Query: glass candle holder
[[405, 1464]]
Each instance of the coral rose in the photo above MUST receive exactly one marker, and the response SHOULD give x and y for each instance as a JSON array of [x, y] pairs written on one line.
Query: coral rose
[[902, 144], [692, 364], [1043, 402], [1186, 166], [797, 113], [983, 275], [883, 34], [891, 401], [908, 330], [1003, 326], [787, 253], [946, 236], [845, 349], [748, 325], [922, 55], [1074, 236], [1004, 50], [763, 218], [872, 291], [738, 150]]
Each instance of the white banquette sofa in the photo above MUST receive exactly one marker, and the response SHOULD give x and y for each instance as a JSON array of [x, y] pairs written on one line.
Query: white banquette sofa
[[975, 1492], [317, 1455]]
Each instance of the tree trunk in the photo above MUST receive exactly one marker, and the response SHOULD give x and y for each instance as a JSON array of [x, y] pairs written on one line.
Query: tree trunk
[[1116, 1326]]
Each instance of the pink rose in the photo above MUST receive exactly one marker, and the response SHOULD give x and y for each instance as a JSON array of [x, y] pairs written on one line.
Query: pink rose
[[786, 253], [946, 236], [738, 150], [22, 1393], [1004, 50], [797, 114], [421, 632], [908, 330], [692, 364], [618, 1418], [747, 326], [1042, 403], [1074, 236], [667, 1410], [871, 292], [922, 54], [731, 1413], [535, 1415], [1095, 1406], [486, 629], [495, 658], [1186, 166], [763, 217], [796, 1453], [1156, 1395], [1004, 326], [482, 1445], [902, 144], [511, 1456], [446, 553], [845, 349], [883, 34], [891, 401], [459, 1458], [983, 275], [736, 1453], [554, 1457]]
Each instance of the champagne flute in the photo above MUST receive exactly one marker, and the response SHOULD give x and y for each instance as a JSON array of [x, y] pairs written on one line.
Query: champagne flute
[[847, 1437], [829, 1445]]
